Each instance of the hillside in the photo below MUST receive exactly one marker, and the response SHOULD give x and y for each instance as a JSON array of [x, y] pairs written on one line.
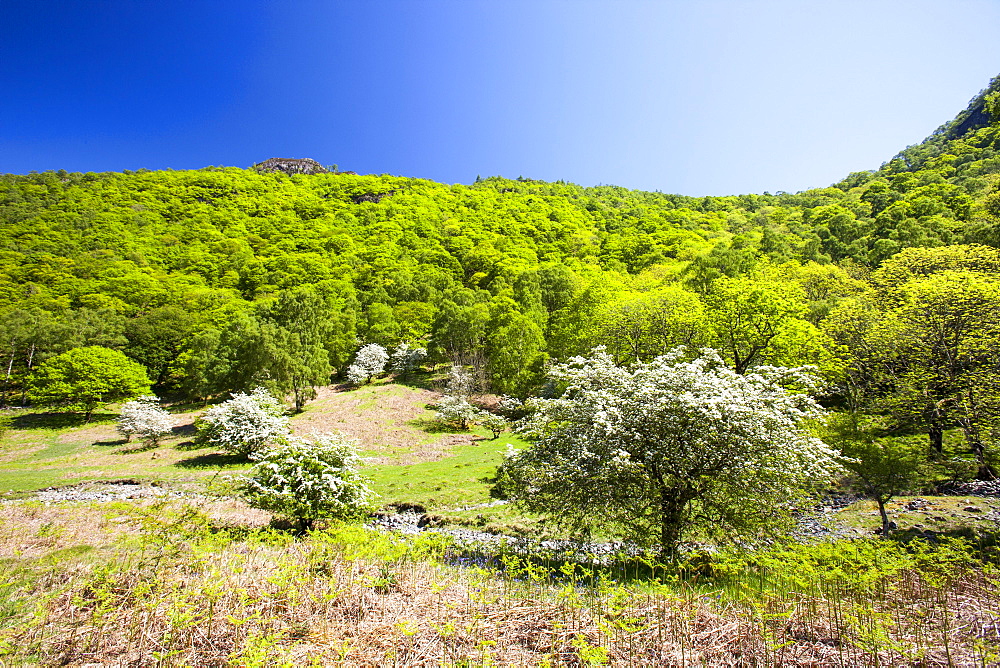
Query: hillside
[[182, 270]]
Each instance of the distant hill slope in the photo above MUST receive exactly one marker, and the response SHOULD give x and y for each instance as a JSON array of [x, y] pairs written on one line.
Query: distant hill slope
[[171, 253]]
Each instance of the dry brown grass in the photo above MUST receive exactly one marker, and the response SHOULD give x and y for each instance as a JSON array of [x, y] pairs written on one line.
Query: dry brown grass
[[176, 595], [385, 418]]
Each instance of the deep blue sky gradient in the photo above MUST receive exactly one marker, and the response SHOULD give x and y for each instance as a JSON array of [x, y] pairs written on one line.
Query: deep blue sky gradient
[[708, 97]]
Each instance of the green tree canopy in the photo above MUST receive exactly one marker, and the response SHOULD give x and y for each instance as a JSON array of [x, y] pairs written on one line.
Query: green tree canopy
[[84, 378]]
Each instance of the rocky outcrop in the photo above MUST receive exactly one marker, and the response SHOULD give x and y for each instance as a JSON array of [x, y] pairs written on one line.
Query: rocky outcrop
[[291, 166]]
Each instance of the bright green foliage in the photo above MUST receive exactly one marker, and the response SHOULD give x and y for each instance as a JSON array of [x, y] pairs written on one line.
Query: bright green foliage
[[309, 479], [924, 342], [297, 325], [514, 345], [756, 321], [157, 338], [881, 468], [184, 254], [640, 326], [85, 378]]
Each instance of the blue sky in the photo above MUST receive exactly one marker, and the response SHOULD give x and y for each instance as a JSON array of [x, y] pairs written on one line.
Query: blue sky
[[695, 97]]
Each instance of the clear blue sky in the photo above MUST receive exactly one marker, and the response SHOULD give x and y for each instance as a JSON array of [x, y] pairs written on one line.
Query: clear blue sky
[[693, 97]]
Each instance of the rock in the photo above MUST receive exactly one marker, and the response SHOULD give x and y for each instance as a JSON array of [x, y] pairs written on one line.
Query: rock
[[972, 509], [290, 166]]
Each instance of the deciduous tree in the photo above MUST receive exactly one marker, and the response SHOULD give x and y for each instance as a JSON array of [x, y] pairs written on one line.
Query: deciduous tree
[[84, 378], [668, 449]]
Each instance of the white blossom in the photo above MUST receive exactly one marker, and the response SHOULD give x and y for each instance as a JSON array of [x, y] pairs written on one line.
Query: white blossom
[[369, 362], [461, 382], [406, 359], [245, 424], [456, 411], [654, 451], [309, 478], [143, 417]]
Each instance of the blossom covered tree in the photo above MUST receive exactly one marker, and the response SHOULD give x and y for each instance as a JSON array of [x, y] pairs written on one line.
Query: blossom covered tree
[[245, 424], [308, 479], [669, 449], [405, 359], [454, 408], [369, 362], [143, 417]]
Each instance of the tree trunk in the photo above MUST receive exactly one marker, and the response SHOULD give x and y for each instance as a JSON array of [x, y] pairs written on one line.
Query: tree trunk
[[884, 515], [970, 428], [672, 503], [10, 367], [935, 435], [31, 358]]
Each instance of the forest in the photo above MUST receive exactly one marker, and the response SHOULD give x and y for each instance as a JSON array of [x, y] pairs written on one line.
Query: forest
[[224, 279]]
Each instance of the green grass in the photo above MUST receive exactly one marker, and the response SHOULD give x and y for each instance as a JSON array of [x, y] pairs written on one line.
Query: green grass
[[456, 480]]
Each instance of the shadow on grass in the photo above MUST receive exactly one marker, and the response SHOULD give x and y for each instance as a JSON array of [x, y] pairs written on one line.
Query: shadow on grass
[[184, 430], [423, 381], [141, 446], [187, 446], [432, 426], [108, 444], [58, 420], [212, 460]]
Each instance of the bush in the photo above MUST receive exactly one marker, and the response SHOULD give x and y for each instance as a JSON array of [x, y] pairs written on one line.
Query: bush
[[456, 411], [405, 360], [368, 363], [144, 418], [245, 424], [497, 424], [309, 479]]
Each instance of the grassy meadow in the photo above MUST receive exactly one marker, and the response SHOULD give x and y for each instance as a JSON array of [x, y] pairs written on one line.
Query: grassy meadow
[[188, 575]]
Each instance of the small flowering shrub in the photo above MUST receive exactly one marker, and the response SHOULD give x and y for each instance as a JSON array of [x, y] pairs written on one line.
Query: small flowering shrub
[[308, 479], [144, 418], [369, 362], [245, 424], [497, 424], [456, 412], [510, 406], [405, 359], [461, 382]]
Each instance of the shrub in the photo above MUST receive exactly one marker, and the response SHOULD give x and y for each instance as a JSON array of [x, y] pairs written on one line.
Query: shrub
[[405, 360], [144, 418], [495, 423], [309, 479], [369, 362], [245, 424], [456, 411]]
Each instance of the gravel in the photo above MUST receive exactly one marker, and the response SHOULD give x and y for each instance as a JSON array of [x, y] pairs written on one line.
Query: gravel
[[112, 490]]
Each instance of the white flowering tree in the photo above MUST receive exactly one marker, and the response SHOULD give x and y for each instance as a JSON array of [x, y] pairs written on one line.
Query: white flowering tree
[[144, 418], [456, 412], [308, 479], [669, 449], [245, 424], [497, 424], [370, 361], [405, 359]]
